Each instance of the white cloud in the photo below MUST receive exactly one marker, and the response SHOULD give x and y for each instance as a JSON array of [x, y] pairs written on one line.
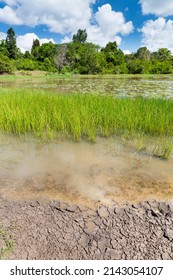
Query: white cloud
[[108, 27], [8, 15], [111, 22], [98, 37], [60, 16], [158, 34], [157, 7], [67, 16], [24, 42], [2, 36], [126, 51]]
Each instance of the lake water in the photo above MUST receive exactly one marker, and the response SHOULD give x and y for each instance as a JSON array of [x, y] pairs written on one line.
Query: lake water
[[81, 173], [148, 86], [84, 173]]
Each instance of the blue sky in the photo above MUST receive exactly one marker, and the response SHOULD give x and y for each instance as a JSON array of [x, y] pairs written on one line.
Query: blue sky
[[132, 23]]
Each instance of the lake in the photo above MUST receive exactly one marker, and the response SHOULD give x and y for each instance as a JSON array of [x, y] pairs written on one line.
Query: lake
[[125, 85]]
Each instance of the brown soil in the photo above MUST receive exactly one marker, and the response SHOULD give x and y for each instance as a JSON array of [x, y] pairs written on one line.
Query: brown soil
[[57, 230]]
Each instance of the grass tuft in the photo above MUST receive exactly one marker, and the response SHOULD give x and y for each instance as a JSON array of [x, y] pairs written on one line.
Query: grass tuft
[[76, 116]]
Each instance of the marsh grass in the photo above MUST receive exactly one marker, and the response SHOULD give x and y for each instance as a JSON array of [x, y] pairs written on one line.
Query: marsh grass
[[76, 116]]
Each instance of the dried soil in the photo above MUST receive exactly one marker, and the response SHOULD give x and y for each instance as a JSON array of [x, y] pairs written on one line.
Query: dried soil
[[58, 230]]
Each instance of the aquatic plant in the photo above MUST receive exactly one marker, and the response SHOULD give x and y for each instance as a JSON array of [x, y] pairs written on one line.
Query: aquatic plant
[[77, 116]]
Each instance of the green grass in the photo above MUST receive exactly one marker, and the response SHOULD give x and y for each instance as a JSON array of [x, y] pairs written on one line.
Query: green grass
[[77, 116], [7, 245]]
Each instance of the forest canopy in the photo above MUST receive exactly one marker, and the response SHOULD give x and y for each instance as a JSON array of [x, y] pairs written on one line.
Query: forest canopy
[[82, 57]]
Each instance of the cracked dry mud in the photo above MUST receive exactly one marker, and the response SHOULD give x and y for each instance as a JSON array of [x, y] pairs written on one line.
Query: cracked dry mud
[[57, 230]]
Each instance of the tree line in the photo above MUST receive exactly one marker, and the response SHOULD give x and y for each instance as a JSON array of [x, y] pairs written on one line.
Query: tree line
[[82, 57]]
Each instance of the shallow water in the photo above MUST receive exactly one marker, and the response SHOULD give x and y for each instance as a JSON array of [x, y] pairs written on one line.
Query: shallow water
[[83, 173], [156, 85]]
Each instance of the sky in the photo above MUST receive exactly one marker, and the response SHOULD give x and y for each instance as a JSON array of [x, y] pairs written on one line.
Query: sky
[[131, 23]]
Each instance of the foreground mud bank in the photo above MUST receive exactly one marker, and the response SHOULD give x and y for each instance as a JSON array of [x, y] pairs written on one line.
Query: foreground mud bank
[[56, 230]]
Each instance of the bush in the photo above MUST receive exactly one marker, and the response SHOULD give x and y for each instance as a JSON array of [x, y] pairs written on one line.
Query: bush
[[5, 65]]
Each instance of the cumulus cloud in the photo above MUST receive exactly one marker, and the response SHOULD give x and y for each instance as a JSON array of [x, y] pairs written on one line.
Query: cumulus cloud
[[158, 34], [108, 27], [8, 15], [60, 16], [66, 17], [24, 42], [157, 7], [2, 36], [126, 52], [111, 22]]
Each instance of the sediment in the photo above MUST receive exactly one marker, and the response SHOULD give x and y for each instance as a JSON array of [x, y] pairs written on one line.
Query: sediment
[[57, 230]]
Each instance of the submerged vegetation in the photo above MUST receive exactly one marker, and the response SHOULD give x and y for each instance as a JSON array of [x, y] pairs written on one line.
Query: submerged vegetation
[[77, 116]]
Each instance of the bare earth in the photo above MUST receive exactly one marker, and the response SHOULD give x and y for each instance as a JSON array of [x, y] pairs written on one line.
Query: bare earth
[[57, 230]]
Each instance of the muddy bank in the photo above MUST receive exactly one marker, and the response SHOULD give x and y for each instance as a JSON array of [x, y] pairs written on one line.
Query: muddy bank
[[57, 230]]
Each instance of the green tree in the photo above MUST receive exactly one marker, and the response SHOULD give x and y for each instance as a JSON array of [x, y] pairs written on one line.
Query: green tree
[[11, 44], [164, 54], [3, 48], [80, 37], [5, 65], [135, 66], [27, 54], [35, 48], [47, 50], [26, 64], [143, 54], [114, 58]]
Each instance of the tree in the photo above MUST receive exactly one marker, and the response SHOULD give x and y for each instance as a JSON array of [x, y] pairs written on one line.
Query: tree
[[164, 54], [5, 65], [11, 44], [60, 58], [47, 50], [3, 49], [114, 58], [35, 48], [80, 37], [143, 54], [27, 55], [135, 66]]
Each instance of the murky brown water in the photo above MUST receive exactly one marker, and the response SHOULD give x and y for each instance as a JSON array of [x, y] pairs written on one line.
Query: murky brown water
[[81, 172]]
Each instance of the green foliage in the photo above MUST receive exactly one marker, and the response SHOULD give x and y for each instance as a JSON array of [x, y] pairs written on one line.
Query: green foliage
[[35, 48], [6, 244], [3, 49], [143, 54], [11, 44], [164, 54], [135, 66], [76, 115], [80, 37], [82, 57], [158, 67], [26, 64], [47, 50], [5, 65], [48, 66], [28, 55]]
